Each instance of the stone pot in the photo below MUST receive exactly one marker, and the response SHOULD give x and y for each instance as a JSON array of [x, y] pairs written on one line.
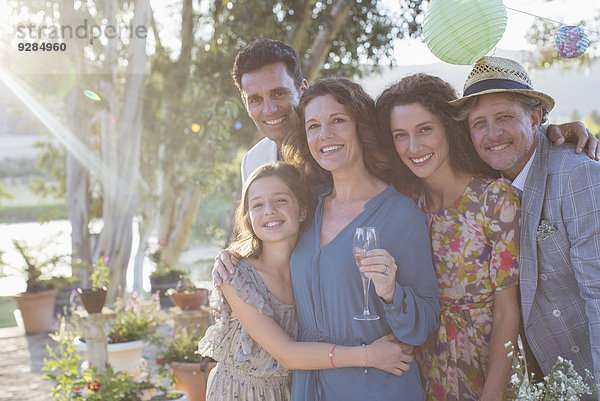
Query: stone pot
[[125, 356], [191, 378], [37, 310], [93, 299], [190, 300]]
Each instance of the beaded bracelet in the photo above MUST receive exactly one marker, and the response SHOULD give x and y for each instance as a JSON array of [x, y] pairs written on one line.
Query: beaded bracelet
[[331, 356]]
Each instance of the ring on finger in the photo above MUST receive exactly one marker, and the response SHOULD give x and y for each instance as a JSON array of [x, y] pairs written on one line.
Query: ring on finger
[[387, 271]]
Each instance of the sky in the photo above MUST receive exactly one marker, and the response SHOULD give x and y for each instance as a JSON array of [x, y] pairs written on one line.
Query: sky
[[409, 52]]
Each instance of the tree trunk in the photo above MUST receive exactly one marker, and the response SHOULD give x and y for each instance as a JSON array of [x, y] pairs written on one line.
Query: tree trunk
[[179, 237], [181, 70], [77, 177], [144, 230], [177, 217], [121, 179], [297, 35], [322, 43], [167, 218]]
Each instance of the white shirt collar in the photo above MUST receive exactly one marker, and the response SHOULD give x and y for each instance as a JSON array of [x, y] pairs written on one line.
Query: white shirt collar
[[519, 181]]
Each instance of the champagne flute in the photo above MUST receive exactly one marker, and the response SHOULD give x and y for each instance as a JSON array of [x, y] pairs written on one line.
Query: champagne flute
[[365, 239]]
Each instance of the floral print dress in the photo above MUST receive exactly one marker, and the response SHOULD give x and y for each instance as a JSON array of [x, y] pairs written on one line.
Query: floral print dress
[[475, 245]]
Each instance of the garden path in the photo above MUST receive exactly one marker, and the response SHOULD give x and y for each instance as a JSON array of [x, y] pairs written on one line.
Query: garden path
[[21, 361]]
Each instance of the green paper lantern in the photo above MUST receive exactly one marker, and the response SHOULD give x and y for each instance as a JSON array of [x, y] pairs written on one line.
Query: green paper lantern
[[463, 31]]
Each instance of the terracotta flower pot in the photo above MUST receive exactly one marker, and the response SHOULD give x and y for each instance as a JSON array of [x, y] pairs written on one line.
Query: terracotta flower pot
[[191, 300], [191, 378], [162, 285], [93, 299], [37, 310]]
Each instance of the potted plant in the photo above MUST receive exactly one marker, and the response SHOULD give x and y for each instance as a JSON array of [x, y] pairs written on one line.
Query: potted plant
[[165, 277], [93, 298], [37, 302], [189, 370], [88, 383], [188, 297], [136, 324]]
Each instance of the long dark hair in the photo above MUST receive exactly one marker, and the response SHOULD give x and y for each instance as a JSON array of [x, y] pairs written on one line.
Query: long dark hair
[[434, 94], [361, 107], [247, 244]]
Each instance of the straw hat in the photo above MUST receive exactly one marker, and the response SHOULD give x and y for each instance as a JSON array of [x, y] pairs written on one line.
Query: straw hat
[[500, 75]]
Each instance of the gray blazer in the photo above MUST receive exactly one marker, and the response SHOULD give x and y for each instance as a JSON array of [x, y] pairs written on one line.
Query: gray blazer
[[560, 258]]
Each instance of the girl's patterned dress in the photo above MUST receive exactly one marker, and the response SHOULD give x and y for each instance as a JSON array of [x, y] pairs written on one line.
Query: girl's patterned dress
[[475, 245], [245, 371]]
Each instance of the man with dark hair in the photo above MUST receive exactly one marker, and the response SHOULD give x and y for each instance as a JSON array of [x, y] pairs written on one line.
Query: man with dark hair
[[560, 219], [268, 75]]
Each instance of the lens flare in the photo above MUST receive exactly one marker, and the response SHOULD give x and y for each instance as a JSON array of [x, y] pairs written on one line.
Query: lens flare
[[91, 95], [238, 125]]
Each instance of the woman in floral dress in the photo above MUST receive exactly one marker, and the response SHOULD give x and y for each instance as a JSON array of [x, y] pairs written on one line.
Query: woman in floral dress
[[474, 229]]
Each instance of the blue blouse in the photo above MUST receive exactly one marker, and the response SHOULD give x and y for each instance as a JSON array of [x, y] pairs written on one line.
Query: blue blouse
[[328, 291]]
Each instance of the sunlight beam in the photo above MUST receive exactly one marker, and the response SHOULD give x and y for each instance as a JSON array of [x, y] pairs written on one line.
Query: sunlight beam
[[62, 133], [86, 157]]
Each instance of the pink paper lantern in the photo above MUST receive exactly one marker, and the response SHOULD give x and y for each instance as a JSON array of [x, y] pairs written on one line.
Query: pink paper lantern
[[571, 41]]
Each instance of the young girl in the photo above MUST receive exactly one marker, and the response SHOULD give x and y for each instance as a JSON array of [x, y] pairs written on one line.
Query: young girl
[[253, 338], [474, 229]]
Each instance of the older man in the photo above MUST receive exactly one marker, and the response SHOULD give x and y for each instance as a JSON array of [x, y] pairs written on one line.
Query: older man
[[560, 199]]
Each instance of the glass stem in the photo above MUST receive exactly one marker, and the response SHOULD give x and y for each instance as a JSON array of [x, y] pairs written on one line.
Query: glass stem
[[366, 284]]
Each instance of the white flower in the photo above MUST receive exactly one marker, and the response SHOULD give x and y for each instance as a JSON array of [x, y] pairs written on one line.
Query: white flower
[[562, 384]]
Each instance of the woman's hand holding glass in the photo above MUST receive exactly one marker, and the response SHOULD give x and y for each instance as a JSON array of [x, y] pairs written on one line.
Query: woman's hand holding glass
[[381, 268]]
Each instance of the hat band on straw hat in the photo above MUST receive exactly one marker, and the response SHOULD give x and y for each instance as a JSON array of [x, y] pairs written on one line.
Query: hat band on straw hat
[[488, 84]]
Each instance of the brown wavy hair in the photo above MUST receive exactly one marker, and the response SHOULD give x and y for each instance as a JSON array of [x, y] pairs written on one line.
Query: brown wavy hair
[[247, 244], [361, 107], [433, 93]]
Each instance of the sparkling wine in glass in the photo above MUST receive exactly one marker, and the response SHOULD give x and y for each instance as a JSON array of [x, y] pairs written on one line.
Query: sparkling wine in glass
[[365, 239]]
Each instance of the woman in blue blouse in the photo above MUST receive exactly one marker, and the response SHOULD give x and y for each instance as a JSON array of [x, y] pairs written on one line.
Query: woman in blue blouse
[[339, 151]]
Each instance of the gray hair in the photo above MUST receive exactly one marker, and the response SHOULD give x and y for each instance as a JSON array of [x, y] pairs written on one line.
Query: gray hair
[[527, 103]]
